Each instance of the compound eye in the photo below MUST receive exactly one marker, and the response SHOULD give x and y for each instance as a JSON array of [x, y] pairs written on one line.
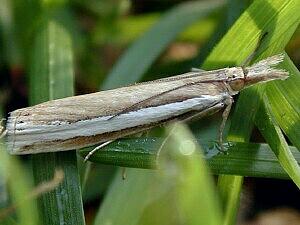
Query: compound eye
[[233, 76], [237, 84]]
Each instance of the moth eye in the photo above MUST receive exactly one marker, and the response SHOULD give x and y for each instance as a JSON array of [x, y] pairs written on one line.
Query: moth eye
[[233, 76], [237, 84]]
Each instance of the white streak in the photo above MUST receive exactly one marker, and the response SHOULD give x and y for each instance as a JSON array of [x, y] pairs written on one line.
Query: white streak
[[26, 133]]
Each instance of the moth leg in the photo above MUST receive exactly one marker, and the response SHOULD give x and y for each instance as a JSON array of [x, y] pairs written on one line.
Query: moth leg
[[197, 70], [124, 174], [211, 110], [3, 131], [164, 143], [141, 134], [97, 148], [228, 102]]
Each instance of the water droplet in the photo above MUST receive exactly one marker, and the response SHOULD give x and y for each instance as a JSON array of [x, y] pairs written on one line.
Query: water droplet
[[187, 147]]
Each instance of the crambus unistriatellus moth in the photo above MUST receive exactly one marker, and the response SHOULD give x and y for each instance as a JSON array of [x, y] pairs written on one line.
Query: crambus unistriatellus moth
[[86, 120]]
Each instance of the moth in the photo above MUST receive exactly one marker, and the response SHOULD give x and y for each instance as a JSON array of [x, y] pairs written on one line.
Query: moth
[[101, 117]]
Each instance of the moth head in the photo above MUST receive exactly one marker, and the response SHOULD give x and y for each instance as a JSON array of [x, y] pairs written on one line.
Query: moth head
[[264, 71], [236, 78]]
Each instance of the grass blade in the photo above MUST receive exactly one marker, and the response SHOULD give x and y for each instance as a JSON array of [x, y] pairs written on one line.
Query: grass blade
[[135, 189], [18, 181], [51, 78], [229, 188], [245, 159], [272, 133], [193, 178], [14, 176], [255, 20], [179, 184], [281, 109], [283, 98], [260, 17]]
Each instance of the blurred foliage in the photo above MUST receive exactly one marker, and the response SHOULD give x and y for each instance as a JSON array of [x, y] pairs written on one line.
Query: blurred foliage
[[116, 42], [170, 195], [51, 76]]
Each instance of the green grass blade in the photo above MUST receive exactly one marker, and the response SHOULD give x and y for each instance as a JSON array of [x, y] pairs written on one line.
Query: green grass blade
[[272, 133], [245, 159], [254, 19], [285, 102], [139, 57], [229, 188], [13, 176], [26, 18], [134, 190], [281, 109], [9, 46], [198, 201], [19, 183], [51, 77], [279, 20], [133, 26], [173, 193]]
